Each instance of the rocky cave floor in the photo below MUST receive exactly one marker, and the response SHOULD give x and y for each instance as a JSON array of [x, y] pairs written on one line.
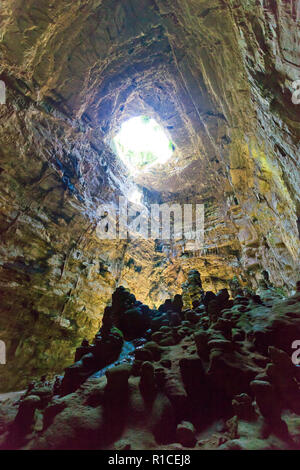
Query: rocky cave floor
[[218, 375]]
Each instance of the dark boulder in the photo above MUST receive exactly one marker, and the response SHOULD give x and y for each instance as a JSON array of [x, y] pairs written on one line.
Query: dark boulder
[[134, 323]]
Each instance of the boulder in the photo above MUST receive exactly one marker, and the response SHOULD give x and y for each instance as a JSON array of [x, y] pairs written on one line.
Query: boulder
[[24, 420], [53, 409], [143, 355], [166, 363], [175, 391], [208, 297], [121, 445], [134, 323], [225, 326], [266, 400], [117, 378], [177, 303], [193, 376], [185, 434], [45, 393], [162, 421], [147, 385], [231, 372], [243, 408], [174, 318], [281, 374], [82, 350], [166, 306], [201, 339], [191, 316], [155, 350]]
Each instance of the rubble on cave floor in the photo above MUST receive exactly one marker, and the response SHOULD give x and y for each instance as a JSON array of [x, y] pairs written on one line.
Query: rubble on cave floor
[[217, 375]]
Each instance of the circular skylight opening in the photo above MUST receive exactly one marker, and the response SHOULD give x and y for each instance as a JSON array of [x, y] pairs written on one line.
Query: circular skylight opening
[[142, 143]]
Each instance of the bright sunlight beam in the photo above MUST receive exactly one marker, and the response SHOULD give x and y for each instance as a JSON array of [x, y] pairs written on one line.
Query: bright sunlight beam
[[141, 143]]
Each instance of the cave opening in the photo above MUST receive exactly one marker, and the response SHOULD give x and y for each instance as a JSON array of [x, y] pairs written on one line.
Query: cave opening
[[142, 143]]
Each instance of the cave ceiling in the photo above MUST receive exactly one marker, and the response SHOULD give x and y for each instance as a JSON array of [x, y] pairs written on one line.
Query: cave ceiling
[[104, 62]]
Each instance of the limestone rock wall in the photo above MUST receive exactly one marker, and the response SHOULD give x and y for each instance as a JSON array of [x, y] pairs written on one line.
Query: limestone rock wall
[[269, 41], [56, 275]]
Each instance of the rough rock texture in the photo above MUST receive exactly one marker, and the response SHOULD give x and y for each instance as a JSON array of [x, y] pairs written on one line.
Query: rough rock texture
[[218, 78]]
